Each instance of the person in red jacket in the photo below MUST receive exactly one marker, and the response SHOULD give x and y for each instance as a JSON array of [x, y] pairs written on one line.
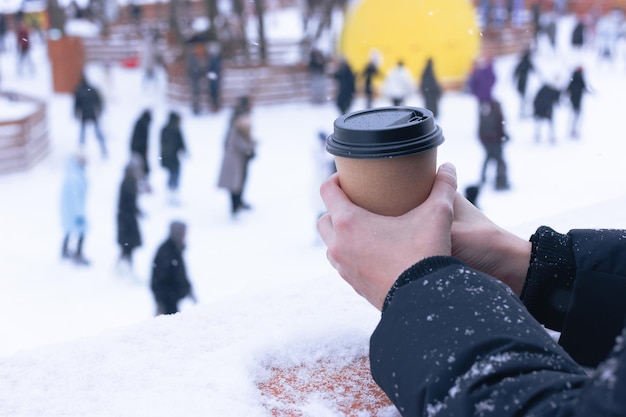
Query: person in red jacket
[[464, 304], [23, 48]]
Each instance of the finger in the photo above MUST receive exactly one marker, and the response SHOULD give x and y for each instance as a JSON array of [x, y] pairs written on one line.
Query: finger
[[445, 183], [325, 228], [333, 196]]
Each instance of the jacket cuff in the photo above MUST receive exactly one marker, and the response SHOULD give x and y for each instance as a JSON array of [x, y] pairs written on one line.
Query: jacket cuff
[[419, 270], [550, 278]]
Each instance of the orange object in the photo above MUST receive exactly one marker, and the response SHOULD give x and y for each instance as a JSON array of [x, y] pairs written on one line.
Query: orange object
[[349, 389]]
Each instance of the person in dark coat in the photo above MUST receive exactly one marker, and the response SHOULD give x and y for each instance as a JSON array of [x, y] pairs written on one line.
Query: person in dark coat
[[429, 87], [73, 207], [172, 145], [239, 150], [345, 86], [575, 89], [492, 137], [317, 71], [128, 234], [88, 108], [462, 326], [521, 72], [139, 138], [578, 34], [369, 73], [543, 108], [197, 73], [169, 282], [214, 74]]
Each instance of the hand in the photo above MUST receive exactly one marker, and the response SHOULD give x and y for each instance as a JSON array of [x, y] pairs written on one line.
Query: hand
[[370, 251], [485, 246]]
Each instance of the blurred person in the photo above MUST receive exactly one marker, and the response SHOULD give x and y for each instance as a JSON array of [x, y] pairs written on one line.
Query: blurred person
[[88, 108], [576, 88], [140, 138], [150, 55], [3, 31], [172, 146], [169, 282], [492, 137], [370, 72], [464, 303], [543, 110], [214, 73], [22, 35], [197, 72], [239, 150], [578, 34], [398, 84], [317, 71], [482, 79], [73, 207], [345, 86], [521, 72], [430, 88], [128, 213]]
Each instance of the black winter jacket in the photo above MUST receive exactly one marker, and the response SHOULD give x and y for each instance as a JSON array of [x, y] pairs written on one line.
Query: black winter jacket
[[455, 342], [169, 281]]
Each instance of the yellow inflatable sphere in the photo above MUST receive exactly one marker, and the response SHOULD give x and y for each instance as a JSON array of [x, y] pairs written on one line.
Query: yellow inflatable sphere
[[413, 31]]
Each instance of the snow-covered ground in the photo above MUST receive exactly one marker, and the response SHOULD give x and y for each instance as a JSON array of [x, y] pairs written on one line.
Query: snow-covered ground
[[83, 340]]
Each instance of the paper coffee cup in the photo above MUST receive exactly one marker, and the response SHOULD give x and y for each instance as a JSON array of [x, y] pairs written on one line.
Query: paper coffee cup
[[386, 157]]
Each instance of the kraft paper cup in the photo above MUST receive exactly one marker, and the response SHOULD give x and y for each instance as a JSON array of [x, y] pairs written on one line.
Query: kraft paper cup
[[386, 157]]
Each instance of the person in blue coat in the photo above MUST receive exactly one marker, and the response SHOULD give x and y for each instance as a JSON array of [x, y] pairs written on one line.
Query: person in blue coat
[[464, 304], [73, 203]]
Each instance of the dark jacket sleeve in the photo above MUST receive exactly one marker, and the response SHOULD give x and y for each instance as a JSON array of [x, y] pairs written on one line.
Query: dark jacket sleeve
[[576, 285], [455, 342]]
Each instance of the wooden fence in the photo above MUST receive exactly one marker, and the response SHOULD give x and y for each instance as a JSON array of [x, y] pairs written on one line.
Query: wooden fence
[[24, 140]]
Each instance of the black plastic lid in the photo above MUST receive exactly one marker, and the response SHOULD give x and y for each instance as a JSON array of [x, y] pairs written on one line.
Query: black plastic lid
[[384, 132]]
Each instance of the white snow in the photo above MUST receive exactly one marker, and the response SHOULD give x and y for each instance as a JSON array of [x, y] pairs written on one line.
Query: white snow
[[83, 340]]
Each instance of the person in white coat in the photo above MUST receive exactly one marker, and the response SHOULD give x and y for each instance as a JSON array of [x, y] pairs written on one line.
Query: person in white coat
[[398, 84]]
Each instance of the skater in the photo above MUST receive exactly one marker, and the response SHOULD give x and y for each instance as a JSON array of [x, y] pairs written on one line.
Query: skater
[[22, 35], [128, 234], [239, 150], [575, 89], [398, 84], [214, 74], [369, 73], [493, 137], [543, 108], [317, 71], [169, 282], [345, 86], [140, 138], [482, 80], [197, 72], [73, 213], [430, 88], [522, 70], [172, 146], [88, 108]]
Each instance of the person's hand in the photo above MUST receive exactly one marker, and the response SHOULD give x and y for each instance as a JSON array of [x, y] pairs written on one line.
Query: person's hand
[[485, 246], [370, 251]]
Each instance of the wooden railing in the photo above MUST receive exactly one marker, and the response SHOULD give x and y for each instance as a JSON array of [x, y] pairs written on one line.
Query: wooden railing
[[24, 140]]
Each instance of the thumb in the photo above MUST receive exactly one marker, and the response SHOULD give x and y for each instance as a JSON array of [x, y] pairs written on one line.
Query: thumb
[[445, 183]]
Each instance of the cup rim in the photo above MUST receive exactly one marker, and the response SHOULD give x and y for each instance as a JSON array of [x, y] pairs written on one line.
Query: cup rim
[[410, 130]]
